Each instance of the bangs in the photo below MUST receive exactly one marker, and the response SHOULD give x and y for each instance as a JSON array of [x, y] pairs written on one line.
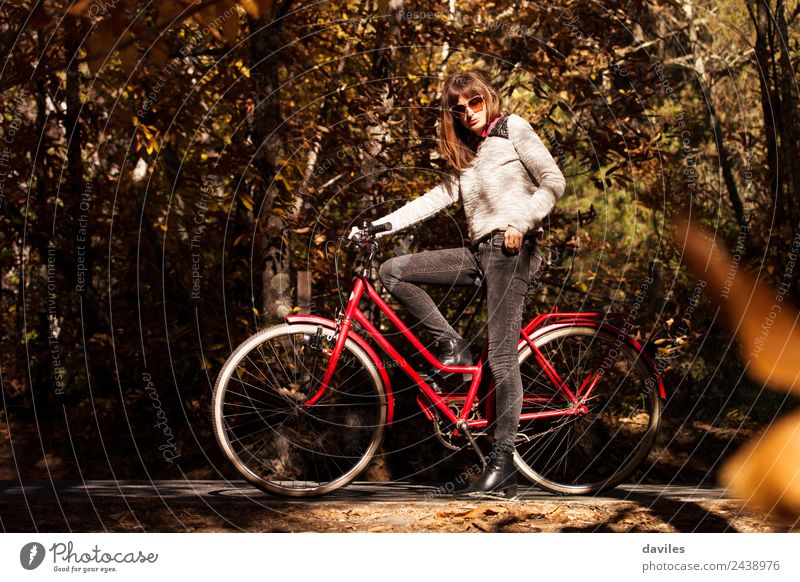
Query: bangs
[[468, 91]]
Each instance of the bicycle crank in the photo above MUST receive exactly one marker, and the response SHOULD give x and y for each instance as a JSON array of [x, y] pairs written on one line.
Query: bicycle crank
[[447, 437], [464, 428]]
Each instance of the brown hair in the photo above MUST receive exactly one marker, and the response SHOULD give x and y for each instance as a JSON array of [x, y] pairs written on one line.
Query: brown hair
[[457, 144]]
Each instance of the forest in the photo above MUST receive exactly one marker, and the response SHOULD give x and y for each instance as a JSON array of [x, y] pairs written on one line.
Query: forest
[[177, 174]]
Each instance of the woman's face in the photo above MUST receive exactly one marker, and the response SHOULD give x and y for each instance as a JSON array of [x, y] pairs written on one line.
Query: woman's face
[[473, 120]]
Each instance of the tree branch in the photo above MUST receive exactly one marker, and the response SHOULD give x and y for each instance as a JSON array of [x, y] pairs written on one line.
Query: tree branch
[[42, 72]]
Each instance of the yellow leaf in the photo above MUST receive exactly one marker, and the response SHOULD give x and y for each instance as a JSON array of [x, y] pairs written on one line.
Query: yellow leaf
[[79, 7], [247, 200], [251, 7]]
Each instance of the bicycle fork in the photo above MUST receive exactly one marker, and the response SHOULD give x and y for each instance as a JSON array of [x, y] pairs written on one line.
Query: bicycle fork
[[341, 333]]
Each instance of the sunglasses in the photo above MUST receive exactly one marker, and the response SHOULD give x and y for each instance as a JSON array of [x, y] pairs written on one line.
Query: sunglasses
[[476, 104]]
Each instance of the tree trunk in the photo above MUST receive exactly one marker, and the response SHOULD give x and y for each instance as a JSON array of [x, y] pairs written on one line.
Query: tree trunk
[[383, 67], [789, 125], [75, 185], [324, 121], [760, 15], [264, 44], [725, 162]]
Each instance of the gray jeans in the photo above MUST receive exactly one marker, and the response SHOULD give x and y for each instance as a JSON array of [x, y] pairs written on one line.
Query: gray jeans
[[506, 278]]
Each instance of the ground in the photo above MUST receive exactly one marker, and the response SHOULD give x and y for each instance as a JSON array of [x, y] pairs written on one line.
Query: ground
[[677, 492], [216, 506]]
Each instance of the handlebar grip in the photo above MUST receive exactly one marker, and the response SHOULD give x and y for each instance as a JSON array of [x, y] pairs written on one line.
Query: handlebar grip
[[368, 227], [386, 226]]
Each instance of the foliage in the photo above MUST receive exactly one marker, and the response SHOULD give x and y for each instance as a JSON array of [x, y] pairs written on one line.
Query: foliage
[[170, 166]]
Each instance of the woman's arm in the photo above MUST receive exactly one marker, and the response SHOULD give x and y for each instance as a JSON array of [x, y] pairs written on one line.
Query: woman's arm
[[429, 204], [538, 161]]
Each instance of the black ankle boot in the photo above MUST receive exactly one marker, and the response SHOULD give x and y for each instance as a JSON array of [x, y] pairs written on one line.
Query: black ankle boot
[[454, 352], [499, 478]]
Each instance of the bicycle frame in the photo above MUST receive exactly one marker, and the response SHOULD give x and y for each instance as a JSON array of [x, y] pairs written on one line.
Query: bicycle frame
[[440, 401]]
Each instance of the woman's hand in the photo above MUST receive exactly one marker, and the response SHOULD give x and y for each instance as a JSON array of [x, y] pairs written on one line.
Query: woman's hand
[[513, 240]]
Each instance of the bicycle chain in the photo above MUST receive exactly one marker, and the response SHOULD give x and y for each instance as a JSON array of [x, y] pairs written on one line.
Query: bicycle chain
[[446, 438]]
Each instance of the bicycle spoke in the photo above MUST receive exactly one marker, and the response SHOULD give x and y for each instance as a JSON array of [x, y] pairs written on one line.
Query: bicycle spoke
[[586, 452], [277, 442]]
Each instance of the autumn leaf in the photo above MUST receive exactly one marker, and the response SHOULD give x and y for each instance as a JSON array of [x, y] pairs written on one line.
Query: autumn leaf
[[230, 24], [251, 7], [205, 18], [749, 305], [79, 7], [765, 472], [247, 201]]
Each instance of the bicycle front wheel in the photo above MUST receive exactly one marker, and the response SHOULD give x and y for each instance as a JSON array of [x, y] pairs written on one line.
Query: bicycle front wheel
[[272, 437], [602, 445]]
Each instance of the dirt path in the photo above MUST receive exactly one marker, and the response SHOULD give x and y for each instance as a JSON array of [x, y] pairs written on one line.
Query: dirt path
[[212, 506]]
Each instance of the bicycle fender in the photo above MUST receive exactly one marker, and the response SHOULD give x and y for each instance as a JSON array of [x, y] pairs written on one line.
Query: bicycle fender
[[362, 343], [613, 330]]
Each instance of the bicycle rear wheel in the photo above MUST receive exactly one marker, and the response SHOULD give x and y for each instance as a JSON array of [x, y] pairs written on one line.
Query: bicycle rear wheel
[[273, 439], [595, 450]]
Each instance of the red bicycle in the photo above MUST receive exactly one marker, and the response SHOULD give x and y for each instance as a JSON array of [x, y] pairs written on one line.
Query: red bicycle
[[301, 408]]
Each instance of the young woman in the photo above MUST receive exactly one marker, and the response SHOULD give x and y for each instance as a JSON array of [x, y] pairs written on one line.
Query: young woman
[[509, 183]]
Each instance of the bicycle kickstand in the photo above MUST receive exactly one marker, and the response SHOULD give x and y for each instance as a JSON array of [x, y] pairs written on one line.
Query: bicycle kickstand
[[463, 427]]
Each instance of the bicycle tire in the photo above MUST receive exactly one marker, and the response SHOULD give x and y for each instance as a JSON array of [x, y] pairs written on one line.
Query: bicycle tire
[[302, 451], [592, 452]]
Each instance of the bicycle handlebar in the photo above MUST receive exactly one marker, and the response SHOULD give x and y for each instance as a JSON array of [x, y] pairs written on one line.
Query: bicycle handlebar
[[375, 229], [366, 233]]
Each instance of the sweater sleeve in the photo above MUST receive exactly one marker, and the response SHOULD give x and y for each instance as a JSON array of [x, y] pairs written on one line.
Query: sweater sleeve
[[540, 164], [444, 194]]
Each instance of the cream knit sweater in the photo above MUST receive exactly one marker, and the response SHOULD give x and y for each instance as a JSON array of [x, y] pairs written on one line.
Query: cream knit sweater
[[513, 180]]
